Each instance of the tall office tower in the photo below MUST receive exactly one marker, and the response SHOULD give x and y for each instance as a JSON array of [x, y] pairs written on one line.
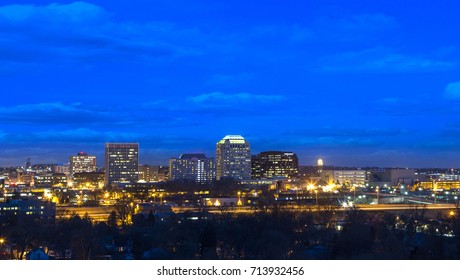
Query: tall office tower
[[82, 163], [194, 167], [121, 163], [233, 158], [256, 171], [276, 164], [319, 166]]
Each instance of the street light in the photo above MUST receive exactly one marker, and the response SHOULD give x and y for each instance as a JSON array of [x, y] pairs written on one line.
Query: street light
[[2, 240], [402, 193], [316, 194], [377, 191], [434, 197]]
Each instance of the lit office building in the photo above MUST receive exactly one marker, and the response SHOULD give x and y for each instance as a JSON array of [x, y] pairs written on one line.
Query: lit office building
[[233, 158], [193, 167], [121, 163], [275, 164], [88, 180], [44, 210], [61, 169], [256, 168], [59, 180], [43, 180], [345, 177], [153, 173], [82, 162]]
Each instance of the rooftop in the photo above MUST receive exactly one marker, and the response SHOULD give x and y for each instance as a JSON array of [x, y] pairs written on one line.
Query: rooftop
[[191, 156], [233, 139]]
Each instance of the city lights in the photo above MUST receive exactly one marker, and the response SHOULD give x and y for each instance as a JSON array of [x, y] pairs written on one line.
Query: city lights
[[187, 197], [230, 130]]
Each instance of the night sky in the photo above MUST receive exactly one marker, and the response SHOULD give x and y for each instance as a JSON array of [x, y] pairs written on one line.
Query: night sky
[[357, 83]]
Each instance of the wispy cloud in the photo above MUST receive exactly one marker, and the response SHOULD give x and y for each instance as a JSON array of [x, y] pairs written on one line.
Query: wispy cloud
[[382, 60], [348, 132], [230, 79], [317, 142], [80, 12], [78, 114], [219, 98], [85, 135], [354, 27], [452, 90], [90, 137], [283, 33], [218, 105], [428, 106], [82, 30], [369, 21], [79, 135], [55, 113]]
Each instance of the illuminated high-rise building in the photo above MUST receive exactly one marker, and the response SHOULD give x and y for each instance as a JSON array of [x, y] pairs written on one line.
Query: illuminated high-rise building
[[275, 164], [81, 163], [233, 158], [121, 163], [319, 166], [193, 167], [256, 168]]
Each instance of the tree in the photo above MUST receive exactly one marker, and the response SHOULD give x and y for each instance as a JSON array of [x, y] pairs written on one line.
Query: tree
[[125, 209], [112, 220], [208, 242], [150, 221], [356, 238], [266, 200], [23, 234]]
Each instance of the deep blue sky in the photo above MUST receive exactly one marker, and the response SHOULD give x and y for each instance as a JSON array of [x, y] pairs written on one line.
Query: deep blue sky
[[358, 83]]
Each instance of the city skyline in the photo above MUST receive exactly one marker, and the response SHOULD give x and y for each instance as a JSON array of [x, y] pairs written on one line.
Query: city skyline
[[101, 159], [356, 84]]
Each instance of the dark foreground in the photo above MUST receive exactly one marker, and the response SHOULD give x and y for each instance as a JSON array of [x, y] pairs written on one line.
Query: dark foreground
[[271, 234]]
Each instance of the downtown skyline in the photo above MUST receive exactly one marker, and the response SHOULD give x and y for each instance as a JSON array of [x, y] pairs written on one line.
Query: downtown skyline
[[361, 84]]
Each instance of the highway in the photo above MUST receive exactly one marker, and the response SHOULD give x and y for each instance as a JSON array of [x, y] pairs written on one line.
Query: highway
[[390, 207], [97, 214], [101, 213]]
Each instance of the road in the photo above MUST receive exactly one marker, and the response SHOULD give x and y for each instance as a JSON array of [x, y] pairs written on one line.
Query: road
[[97, 214], [101, 213], [389, 207]]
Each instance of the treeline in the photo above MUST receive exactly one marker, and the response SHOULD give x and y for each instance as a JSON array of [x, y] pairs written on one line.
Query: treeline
[[274, 234]]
